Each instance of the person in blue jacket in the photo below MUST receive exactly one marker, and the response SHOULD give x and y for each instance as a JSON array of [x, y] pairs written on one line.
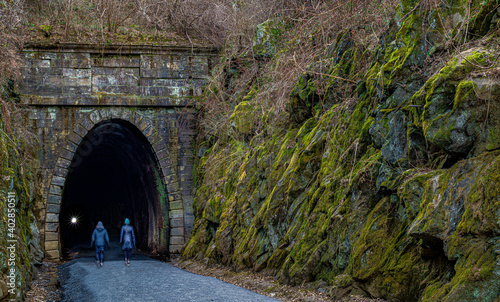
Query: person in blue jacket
[[127, 240], [100, 238]]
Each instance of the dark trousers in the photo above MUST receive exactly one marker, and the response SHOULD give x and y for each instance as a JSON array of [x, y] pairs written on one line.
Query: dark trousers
[[99, 253], [127, 253]]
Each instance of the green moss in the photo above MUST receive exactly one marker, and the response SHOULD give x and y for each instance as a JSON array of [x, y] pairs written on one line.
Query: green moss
[[480, 23], [267, 36], [302, 199], [18, 170]]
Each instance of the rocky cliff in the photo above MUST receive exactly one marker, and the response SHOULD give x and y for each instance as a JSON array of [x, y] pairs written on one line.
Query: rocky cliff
[[20, 246], [392, 191]]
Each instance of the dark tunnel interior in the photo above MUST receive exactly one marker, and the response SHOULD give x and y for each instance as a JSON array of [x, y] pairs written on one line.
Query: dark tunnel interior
[[114, 175]]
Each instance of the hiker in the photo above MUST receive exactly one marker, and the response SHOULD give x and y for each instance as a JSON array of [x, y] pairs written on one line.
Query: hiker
[[127, 240], [100, 238]]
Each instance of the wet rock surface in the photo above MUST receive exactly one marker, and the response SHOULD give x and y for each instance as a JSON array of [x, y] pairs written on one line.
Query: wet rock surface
[[390, 193]]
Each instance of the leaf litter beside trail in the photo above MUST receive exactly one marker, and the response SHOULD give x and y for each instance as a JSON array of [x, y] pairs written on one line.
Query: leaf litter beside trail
[[261, 283]]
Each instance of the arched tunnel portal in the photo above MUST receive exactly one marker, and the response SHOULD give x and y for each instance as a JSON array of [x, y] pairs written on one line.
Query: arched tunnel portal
[[114, 175]]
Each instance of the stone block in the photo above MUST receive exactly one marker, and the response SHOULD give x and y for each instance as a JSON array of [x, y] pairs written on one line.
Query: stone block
[[189, 219], [37, 63], [76, 77], [143, 124], [71, 146], [176, 240], [80, 130], [118, 89], [177, 232], [172, 91], [55, 190], [176, 214], [136, 118], [161, 155], [95, 117], [63, 163], [58, 181], [51, 245], [45, 55], [154, 138], [159, 145], [126, 113], [169, 178], [86, 123], [66, 154], [52, 254], [198, 67], [72, 60], [40, 123], [53, 208], [166, 162], [52, 217], [162, 66], [55, 199], [175, 249], [148, 131], [163, 82], [117, 61], [51, 227], [115, 80], [175, 205], [75, 138], [115, 112], [33, 114], [177, 196], [187, 198], [187, 232], [51, 236], [105, 114], [172, 187], [167, 174], [176, 222], [61, 172]]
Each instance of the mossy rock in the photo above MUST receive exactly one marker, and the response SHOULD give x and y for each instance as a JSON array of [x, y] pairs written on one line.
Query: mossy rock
[[302, 99], [454, 116], [267, 36], [243, 117]]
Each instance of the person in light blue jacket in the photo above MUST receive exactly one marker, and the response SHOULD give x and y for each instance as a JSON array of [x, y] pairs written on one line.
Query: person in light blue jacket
[[100, 238], [127, 240]]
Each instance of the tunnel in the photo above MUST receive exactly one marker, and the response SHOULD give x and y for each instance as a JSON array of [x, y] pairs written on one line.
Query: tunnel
[[114, 175]]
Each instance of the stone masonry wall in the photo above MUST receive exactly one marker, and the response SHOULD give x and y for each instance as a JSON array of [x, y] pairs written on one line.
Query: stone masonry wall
[[68, 89]]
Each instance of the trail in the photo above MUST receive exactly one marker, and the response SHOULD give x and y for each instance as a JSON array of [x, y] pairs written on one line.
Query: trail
[[145, 280]]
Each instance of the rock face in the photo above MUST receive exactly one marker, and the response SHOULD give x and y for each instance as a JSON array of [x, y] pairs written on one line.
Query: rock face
[[395, 195], [20, 251], [266, 38]]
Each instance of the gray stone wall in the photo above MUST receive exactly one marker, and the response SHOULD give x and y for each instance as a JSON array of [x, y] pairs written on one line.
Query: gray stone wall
[[70, 88]]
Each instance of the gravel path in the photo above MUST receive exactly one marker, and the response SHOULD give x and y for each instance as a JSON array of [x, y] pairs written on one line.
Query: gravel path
[[145, 280]]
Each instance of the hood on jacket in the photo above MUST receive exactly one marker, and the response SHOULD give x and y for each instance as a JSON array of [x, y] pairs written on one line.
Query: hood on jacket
[[100, 225]]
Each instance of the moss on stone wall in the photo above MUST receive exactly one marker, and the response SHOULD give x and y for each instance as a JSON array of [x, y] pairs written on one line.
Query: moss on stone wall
[[391, 195], [18, 176]]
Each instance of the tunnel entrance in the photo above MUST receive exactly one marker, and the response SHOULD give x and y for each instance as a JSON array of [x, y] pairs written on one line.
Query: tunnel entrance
[[114, 175]]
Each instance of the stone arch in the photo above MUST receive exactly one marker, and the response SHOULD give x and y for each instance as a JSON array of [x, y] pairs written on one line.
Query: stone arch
[[71, 144]]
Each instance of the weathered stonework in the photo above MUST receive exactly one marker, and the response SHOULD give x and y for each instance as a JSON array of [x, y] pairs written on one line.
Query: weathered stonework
[[68, 89]]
